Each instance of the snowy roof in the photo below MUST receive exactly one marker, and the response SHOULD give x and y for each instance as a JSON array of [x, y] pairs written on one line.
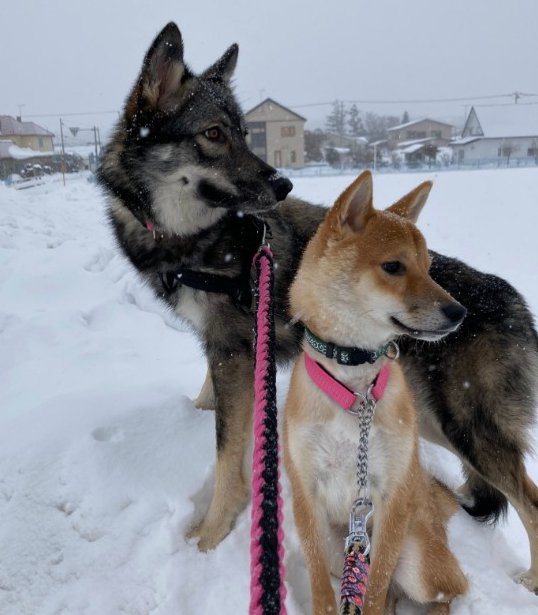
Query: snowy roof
[[504, 121], [424, 119], [273, 102], [412, 148], [463, 141], [8, 149], [10, 126], [404, 144]]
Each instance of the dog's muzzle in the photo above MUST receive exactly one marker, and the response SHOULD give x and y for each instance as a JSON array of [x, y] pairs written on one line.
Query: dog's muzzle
[[281, 186]]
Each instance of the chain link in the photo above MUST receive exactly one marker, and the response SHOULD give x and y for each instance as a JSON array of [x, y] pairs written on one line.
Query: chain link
[[365, 422]]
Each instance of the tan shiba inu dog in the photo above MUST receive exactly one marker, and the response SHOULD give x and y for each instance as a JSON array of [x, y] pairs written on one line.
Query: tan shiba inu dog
[[362, 281]]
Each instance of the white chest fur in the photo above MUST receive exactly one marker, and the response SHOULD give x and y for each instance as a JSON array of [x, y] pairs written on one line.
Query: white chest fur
[[326, 452]]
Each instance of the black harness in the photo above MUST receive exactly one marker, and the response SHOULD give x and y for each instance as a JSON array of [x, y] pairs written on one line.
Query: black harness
[[238, 287]]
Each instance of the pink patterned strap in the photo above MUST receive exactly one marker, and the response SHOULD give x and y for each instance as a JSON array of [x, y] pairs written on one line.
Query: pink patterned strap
[[337, 391], [354, 581]]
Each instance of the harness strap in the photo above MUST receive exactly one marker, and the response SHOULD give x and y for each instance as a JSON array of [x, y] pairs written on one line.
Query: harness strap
[[237, 287], [253, 232]]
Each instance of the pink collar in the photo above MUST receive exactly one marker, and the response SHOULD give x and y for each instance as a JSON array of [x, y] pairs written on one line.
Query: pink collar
[[338, 392]]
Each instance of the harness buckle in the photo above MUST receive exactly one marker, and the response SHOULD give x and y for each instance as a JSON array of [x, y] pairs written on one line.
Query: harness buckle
[[361, 512]]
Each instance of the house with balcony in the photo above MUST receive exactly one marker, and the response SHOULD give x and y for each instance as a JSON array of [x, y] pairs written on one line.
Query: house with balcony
[[419, 140], [276, 134]]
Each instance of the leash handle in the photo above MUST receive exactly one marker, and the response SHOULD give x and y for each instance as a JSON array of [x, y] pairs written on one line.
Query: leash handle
[[267, 589]]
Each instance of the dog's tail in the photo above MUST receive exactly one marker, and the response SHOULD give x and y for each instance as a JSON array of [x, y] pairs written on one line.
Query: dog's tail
[[482, 501]]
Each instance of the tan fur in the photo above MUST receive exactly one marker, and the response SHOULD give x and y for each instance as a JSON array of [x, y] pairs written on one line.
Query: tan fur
[[231, 483], [341, 266], [206, 396]]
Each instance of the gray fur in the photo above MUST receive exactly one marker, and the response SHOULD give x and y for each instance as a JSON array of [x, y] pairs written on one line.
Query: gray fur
[[200, 195]]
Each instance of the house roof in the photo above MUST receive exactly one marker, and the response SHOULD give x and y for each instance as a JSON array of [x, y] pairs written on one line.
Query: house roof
[[9, 126], [270, 100], [424, 119], [505, 121], [8, 149], [463, 141]]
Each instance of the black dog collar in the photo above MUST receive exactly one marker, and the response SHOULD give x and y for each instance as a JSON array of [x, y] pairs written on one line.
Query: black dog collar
[[350, 355]]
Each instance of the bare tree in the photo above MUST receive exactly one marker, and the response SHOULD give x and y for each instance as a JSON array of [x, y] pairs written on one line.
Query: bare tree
[[312, 145], [376, 126]]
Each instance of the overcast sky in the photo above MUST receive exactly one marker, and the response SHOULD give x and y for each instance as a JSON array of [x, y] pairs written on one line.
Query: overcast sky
[[69, 56]]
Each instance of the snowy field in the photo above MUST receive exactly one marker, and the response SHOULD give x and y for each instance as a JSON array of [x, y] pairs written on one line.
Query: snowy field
[[104, 462]]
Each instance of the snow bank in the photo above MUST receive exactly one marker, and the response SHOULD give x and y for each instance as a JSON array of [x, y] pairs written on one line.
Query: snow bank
[[104, 462]]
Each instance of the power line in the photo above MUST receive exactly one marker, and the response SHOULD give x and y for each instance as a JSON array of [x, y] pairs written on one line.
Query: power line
[[71, 113], [415, 101]]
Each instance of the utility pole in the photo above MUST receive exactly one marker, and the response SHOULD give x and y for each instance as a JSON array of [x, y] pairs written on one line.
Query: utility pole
[[63, 149], [20, 111], [95, 142]]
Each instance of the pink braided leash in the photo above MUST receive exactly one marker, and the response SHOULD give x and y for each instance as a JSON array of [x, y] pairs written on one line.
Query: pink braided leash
[[267, 589]]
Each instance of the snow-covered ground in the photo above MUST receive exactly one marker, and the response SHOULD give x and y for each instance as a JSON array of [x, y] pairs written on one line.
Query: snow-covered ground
[[104, 462]]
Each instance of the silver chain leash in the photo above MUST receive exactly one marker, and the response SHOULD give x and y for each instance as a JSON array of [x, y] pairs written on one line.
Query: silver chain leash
[[362, 508]]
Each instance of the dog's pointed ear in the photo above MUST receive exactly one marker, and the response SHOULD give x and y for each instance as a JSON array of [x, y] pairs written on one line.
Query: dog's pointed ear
[[354, 206], [162, 71], [410, 205], [224, 67]]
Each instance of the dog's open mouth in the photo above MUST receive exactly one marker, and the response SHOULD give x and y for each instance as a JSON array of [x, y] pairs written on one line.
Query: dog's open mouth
[[422, 334]]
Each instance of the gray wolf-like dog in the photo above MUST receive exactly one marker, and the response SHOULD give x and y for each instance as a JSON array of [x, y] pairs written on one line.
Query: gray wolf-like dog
[[189, 204]]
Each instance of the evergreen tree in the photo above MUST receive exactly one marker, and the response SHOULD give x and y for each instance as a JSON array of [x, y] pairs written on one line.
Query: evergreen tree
[[405, 118], [356, 128], [336, 120]]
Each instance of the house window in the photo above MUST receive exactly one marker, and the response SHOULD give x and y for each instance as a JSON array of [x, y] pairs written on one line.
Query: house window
[[532, 151], [293, 157], [257, 139], [436, 134], [40, 142], [287, 131]]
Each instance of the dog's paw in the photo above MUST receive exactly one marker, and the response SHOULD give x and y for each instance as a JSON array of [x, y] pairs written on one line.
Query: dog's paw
[[204, 402], [208, 539], [528, 579]]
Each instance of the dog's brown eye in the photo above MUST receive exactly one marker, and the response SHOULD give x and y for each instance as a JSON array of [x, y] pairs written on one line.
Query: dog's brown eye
[[394, 267], [214, 134]]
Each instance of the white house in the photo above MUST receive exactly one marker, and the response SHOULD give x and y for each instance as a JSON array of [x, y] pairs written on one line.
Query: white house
[[501, 133]]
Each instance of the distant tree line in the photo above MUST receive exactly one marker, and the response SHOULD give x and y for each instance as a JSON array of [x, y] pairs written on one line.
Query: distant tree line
[[343, 125]]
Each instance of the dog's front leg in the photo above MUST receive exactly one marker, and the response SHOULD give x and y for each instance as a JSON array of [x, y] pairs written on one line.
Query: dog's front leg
[[391, 521], [233, 385]]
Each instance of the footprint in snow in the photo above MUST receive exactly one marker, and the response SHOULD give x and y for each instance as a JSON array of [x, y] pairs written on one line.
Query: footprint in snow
[[108, 434]]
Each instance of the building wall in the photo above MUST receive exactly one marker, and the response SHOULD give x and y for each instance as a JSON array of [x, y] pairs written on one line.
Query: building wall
[[420, 130], [276, 135], [285, 144], [38, 143], [522, 147]]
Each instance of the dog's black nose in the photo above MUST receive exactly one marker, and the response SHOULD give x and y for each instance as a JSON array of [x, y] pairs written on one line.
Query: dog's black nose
[[455, 312], [281, 186]]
